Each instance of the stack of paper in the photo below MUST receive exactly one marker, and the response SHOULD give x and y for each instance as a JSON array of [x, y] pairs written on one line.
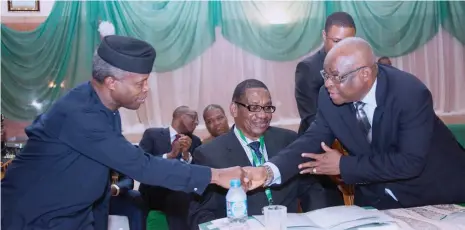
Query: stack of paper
[[339, 218]]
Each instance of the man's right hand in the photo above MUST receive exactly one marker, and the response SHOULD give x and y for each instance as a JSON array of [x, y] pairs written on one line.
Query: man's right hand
[[255, 177], [175, 150], [222, 177]]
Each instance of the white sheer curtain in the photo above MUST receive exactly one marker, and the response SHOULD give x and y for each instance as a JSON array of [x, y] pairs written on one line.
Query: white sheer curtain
[[212, 77]]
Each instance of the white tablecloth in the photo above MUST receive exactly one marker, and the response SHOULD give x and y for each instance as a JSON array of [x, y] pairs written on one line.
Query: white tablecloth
[[418, 218]]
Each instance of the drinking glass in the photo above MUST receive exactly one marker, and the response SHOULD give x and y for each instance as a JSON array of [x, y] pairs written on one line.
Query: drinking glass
[[275, 217]]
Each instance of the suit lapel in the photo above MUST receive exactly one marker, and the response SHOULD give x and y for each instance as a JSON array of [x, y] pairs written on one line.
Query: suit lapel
[[236, 154], [166, 139], [381, 91], [271, 144], [348, 116]]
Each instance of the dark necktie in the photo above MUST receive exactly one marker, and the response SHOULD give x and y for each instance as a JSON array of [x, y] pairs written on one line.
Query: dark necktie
[[363, 119], [255, 146]]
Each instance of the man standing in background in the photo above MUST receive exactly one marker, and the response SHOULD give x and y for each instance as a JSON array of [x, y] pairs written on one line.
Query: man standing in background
[[384, 60], [308, 81]]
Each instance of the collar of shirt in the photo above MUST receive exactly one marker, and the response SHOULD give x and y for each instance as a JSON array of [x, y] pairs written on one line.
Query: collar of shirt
[[370, 102], [173, 134], [247, 149], [370, 98]]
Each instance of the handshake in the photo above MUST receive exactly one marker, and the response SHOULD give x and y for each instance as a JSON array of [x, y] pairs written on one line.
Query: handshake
[[251, 177]]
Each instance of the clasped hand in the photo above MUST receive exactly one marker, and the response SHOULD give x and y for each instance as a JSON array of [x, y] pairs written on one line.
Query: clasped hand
[[326, 163]]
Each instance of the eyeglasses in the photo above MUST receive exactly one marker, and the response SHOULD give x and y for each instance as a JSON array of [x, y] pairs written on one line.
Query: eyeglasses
[[258, 108], [339, 78]]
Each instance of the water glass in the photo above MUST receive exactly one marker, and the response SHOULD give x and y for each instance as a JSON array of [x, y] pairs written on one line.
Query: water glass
[[275, 217]]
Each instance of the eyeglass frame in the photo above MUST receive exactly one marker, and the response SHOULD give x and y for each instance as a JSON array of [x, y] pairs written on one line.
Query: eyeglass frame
[[249, 107], [341, 78]]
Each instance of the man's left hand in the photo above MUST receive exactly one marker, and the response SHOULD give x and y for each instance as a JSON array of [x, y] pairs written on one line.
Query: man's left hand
[[326, 163], [186, 143]]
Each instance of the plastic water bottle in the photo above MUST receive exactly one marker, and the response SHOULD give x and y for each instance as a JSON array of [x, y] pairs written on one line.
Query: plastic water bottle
[[236, 204]]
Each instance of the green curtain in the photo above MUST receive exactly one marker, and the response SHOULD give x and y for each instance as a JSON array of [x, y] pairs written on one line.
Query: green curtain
[[58, 53], [279, 31], [453, 18], [36, 64], [393, 28]]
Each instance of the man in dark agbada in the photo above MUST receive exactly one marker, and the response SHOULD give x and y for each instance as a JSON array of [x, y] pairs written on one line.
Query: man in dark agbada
[[61, 178]]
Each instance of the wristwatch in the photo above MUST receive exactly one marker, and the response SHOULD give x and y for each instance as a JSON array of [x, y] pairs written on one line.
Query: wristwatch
[[269, 175]]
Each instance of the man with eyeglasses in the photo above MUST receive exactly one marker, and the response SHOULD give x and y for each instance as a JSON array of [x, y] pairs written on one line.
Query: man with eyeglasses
[[308, 82], [176, 142], [250, 142], [400, 153]]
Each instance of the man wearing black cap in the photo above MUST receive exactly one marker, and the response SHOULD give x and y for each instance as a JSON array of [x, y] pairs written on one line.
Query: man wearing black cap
[[61, 178]]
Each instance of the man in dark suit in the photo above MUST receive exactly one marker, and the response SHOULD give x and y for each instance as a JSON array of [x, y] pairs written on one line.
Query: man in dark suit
[[175, 142], [400, 153], [127, 202], [250, 142], [308, 81], [61, 179]]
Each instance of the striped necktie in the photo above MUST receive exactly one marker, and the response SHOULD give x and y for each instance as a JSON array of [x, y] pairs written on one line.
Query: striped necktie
[[363, 119], [255, 146]]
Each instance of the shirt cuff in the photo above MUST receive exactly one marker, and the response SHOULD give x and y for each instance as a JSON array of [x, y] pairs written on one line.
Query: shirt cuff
[[189, 160], [276, 173], [117, 189], [165, 156]]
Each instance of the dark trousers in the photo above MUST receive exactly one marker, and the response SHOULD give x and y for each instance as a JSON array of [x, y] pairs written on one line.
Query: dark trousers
[[316, 192], [363, 198], [132, 206], [174, 204]]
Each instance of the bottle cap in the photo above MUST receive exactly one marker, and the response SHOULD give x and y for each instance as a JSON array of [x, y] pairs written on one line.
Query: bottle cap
[[235, 183]]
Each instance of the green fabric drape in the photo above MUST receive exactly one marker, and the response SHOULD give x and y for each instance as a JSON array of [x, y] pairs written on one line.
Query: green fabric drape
[[35, 64], [393, 28], [59, 52], [279, 31], [453, 18]]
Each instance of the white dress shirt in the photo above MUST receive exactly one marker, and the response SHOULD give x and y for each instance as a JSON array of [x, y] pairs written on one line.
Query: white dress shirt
[[369, 108], [248, 151], [173, 134]]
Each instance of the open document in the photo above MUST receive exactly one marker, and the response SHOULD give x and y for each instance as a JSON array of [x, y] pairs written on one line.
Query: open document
[[338, 218]]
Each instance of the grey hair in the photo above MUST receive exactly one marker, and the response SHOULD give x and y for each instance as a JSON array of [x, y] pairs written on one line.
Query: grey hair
[[102, 69]]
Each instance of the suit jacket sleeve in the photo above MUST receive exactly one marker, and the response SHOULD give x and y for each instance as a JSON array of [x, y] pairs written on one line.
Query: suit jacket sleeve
[[415, 132], [306, 89], [89, 133], [204, 208], [125, 184], [289, 158]]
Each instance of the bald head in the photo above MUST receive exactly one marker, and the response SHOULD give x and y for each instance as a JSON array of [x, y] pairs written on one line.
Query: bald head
[[179, 111], [350, 70], [350, 52]]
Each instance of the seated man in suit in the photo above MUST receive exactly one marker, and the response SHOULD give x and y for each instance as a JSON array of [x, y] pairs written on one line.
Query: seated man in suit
[[400, 153], [175, 142], [215, 121], [125, 201], [251, 141]]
